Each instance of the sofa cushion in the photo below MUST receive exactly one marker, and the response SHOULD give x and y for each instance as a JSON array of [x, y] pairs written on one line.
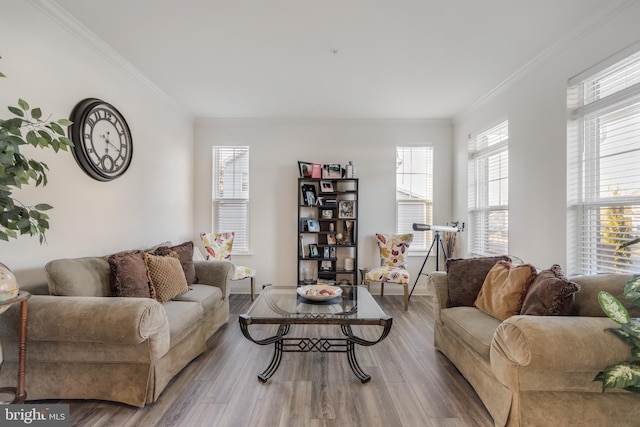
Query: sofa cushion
[[79, 277], [504, 289], [182, 315], [208, 296], [166, 276], [465, 278], [185, 252], [550, 294], [473, 326], [586, 303], [129, 275]]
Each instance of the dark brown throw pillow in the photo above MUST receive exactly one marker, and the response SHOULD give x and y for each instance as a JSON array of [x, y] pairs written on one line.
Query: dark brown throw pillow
[[551, 294], [185, 252], [465, 278], [129, 275]]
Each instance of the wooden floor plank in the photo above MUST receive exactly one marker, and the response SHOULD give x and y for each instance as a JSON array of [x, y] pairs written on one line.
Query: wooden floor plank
[[412, 384]]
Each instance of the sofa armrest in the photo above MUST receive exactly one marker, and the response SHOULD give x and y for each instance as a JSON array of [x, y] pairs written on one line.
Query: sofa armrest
[[108, 320], [557, 343], [215, 273], [437, 286]]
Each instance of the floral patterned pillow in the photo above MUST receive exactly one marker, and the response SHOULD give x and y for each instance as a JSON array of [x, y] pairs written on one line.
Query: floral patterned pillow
[[394, 249], [218, 245]]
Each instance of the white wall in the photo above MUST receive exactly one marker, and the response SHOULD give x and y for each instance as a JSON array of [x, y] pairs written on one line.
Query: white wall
[[152, 202], [536, 107], [275, 148]]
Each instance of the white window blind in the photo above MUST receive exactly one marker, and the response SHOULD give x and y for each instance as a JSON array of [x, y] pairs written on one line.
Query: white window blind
[[604, 167], [231, 194], [489, 191], [414, 193]]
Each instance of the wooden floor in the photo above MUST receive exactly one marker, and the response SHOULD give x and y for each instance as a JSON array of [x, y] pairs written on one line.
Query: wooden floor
[[411, 385]]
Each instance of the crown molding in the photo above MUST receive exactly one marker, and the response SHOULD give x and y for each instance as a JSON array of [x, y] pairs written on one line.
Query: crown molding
[[586, 27], [67, 21]]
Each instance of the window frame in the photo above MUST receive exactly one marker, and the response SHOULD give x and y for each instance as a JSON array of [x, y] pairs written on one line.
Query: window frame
[[486, 239], [422, 239], [238, 204], [604, 124]]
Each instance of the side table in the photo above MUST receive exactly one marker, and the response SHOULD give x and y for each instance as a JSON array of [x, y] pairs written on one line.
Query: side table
[[19, 392]]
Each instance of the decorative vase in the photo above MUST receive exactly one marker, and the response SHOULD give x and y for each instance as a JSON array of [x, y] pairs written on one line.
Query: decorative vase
[[8, 286]]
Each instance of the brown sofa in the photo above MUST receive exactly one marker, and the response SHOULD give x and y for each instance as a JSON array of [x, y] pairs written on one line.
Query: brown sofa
[[82, 343], [539, 370]]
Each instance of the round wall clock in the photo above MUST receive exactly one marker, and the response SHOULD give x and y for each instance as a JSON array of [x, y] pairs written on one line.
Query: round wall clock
[[102, 140]]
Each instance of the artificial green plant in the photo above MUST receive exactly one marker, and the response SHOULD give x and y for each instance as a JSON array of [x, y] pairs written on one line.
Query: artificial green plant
[[625, 375], [26, 127]]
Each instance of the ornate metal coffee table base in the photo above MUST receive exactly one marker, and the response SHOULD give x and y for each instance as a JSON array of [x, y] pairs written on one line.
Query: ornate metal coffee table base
[[283, 344]]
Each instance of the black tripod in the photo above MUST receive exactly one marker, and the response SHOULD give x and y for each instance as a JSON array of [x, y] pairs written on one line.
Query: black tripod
[[437, 242]]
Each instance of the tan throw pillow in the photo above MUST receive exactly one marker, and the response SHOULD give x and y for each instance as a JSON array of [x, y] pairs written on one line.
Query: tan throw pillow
[[166, 276], [504, 289], [465, 278], [550, 294], [185, 252], [129, 275]]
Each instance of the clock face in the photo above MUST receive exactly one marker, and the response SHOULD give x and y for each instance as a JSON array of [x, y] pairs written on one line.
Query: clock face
[[101, 138]]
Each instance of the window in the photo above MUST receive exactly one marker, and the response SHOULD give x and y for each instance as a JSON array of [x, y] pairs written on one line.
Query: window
[[414, 193], [231, 194], [489, 192], [604, 166]]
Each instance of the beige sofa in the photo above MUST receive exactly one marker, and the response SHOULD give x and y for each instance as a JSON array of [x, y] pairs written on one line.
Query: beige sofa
[[90, 345], [539, 370]]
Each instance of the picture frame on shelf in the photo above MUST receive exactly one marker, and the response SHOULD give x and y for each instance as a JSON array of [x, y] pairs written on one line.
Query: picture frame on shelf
[[316, 170], [326, 265], [331, 239], [333, 252], [326, 187], [346, 209], [326, 253], [326, 213], [313, 226], [332, 170], [309, 194], [313, 250], [305, 169]]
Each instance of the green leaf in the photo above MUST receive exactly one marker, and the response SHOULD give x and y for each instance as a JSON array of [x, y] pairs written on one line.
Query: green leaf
[[43, 207], [23, 104], [613, 308], [65, 122], [2, 75], [632, 290], [46, 135], [36, 113], [623, 335], [56, 128], [621, 375], [32, 138], [18, 112]]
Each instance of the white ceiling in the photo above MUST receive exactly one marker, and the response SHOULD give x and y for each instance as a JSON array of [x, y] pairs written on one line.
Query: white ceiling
[[334, 58]]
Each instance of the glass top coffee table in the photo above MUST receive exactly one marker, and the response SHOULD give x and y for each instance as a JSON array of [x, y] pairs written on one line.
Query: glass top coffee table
[[283, 306]]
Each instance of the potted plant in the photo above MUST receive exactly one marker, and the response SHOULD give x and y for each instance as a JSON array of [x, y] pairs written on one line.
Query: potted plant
[[27, 126], [625, 375]]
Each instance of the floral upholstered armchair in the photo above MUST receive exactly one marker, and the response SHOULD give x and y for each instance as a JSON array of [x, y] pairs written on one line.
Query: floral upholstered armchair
[[394, 249], [218, 247]]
